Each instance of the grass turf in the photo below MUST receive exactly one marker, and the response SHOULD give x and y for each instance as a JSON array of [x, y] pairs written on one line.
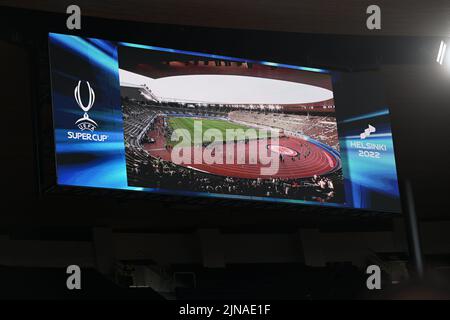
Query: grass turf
[[188, 134]]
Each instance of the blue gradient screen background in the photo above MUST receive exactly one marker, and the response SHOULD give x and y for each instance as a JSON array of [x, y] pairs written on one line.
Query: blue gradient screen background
[[370, 183]]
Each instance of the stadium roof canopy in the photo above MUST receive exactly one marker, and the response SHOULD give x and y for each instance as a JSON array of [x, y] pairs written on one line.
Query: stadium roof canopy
[[227, 89]]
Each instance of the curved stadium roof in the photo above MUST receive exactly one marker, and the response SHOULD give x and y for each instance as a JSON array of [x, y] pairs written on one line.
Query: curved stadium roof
[[228, 89]]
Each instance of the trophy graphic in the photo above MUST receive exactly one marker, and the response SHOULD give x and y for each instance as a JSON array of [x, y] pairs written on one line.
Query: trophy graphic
[[85, 123]]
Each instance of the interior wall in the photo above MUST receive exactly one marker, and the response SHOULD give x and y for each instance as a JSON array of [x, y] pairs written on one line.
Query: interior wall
[[314, 248], [420, 121], [17, 160]]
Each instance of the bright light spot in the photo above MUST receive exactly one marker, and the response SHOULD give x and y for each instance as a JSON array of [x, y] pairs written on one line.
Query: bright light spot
[[441, 53]]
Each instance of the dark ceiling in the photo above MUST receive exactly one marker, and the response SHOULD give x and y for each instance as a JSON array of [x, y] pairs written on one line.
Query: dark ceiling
[[418, 92], [398, 17]]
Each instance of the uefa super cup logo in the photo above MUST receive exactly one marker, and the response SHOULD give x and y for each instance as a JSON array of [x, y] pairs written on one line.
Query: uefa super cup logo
[[85, 123]]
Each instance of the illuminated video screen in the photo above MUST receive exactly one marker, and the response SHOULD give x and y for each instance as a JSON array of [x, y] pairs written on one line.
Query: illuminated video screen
[[144, 118]]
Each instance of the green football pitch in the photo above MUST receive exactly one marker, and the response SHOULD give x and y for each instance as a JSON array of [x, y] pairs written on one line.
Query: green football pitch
[[199, 126]]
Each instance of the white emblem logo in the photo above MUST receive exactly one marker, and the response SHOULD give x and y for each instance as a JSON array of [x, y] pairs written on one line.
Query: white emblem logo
[[367, 132], [85, 123]]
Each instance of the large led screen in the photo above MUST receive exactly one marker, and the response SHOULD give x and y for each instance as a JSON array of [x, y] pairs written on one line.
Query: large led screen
[[144, 118]]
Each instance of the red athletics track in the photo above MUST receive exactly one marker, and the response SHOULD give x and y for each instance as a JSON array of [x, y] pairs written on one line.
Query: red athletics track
[[317, 162]]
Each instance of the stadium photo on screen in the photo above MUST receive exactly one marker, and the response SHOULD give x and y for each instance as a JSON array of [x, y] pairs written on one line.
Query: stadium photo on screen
[[225, 126]]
